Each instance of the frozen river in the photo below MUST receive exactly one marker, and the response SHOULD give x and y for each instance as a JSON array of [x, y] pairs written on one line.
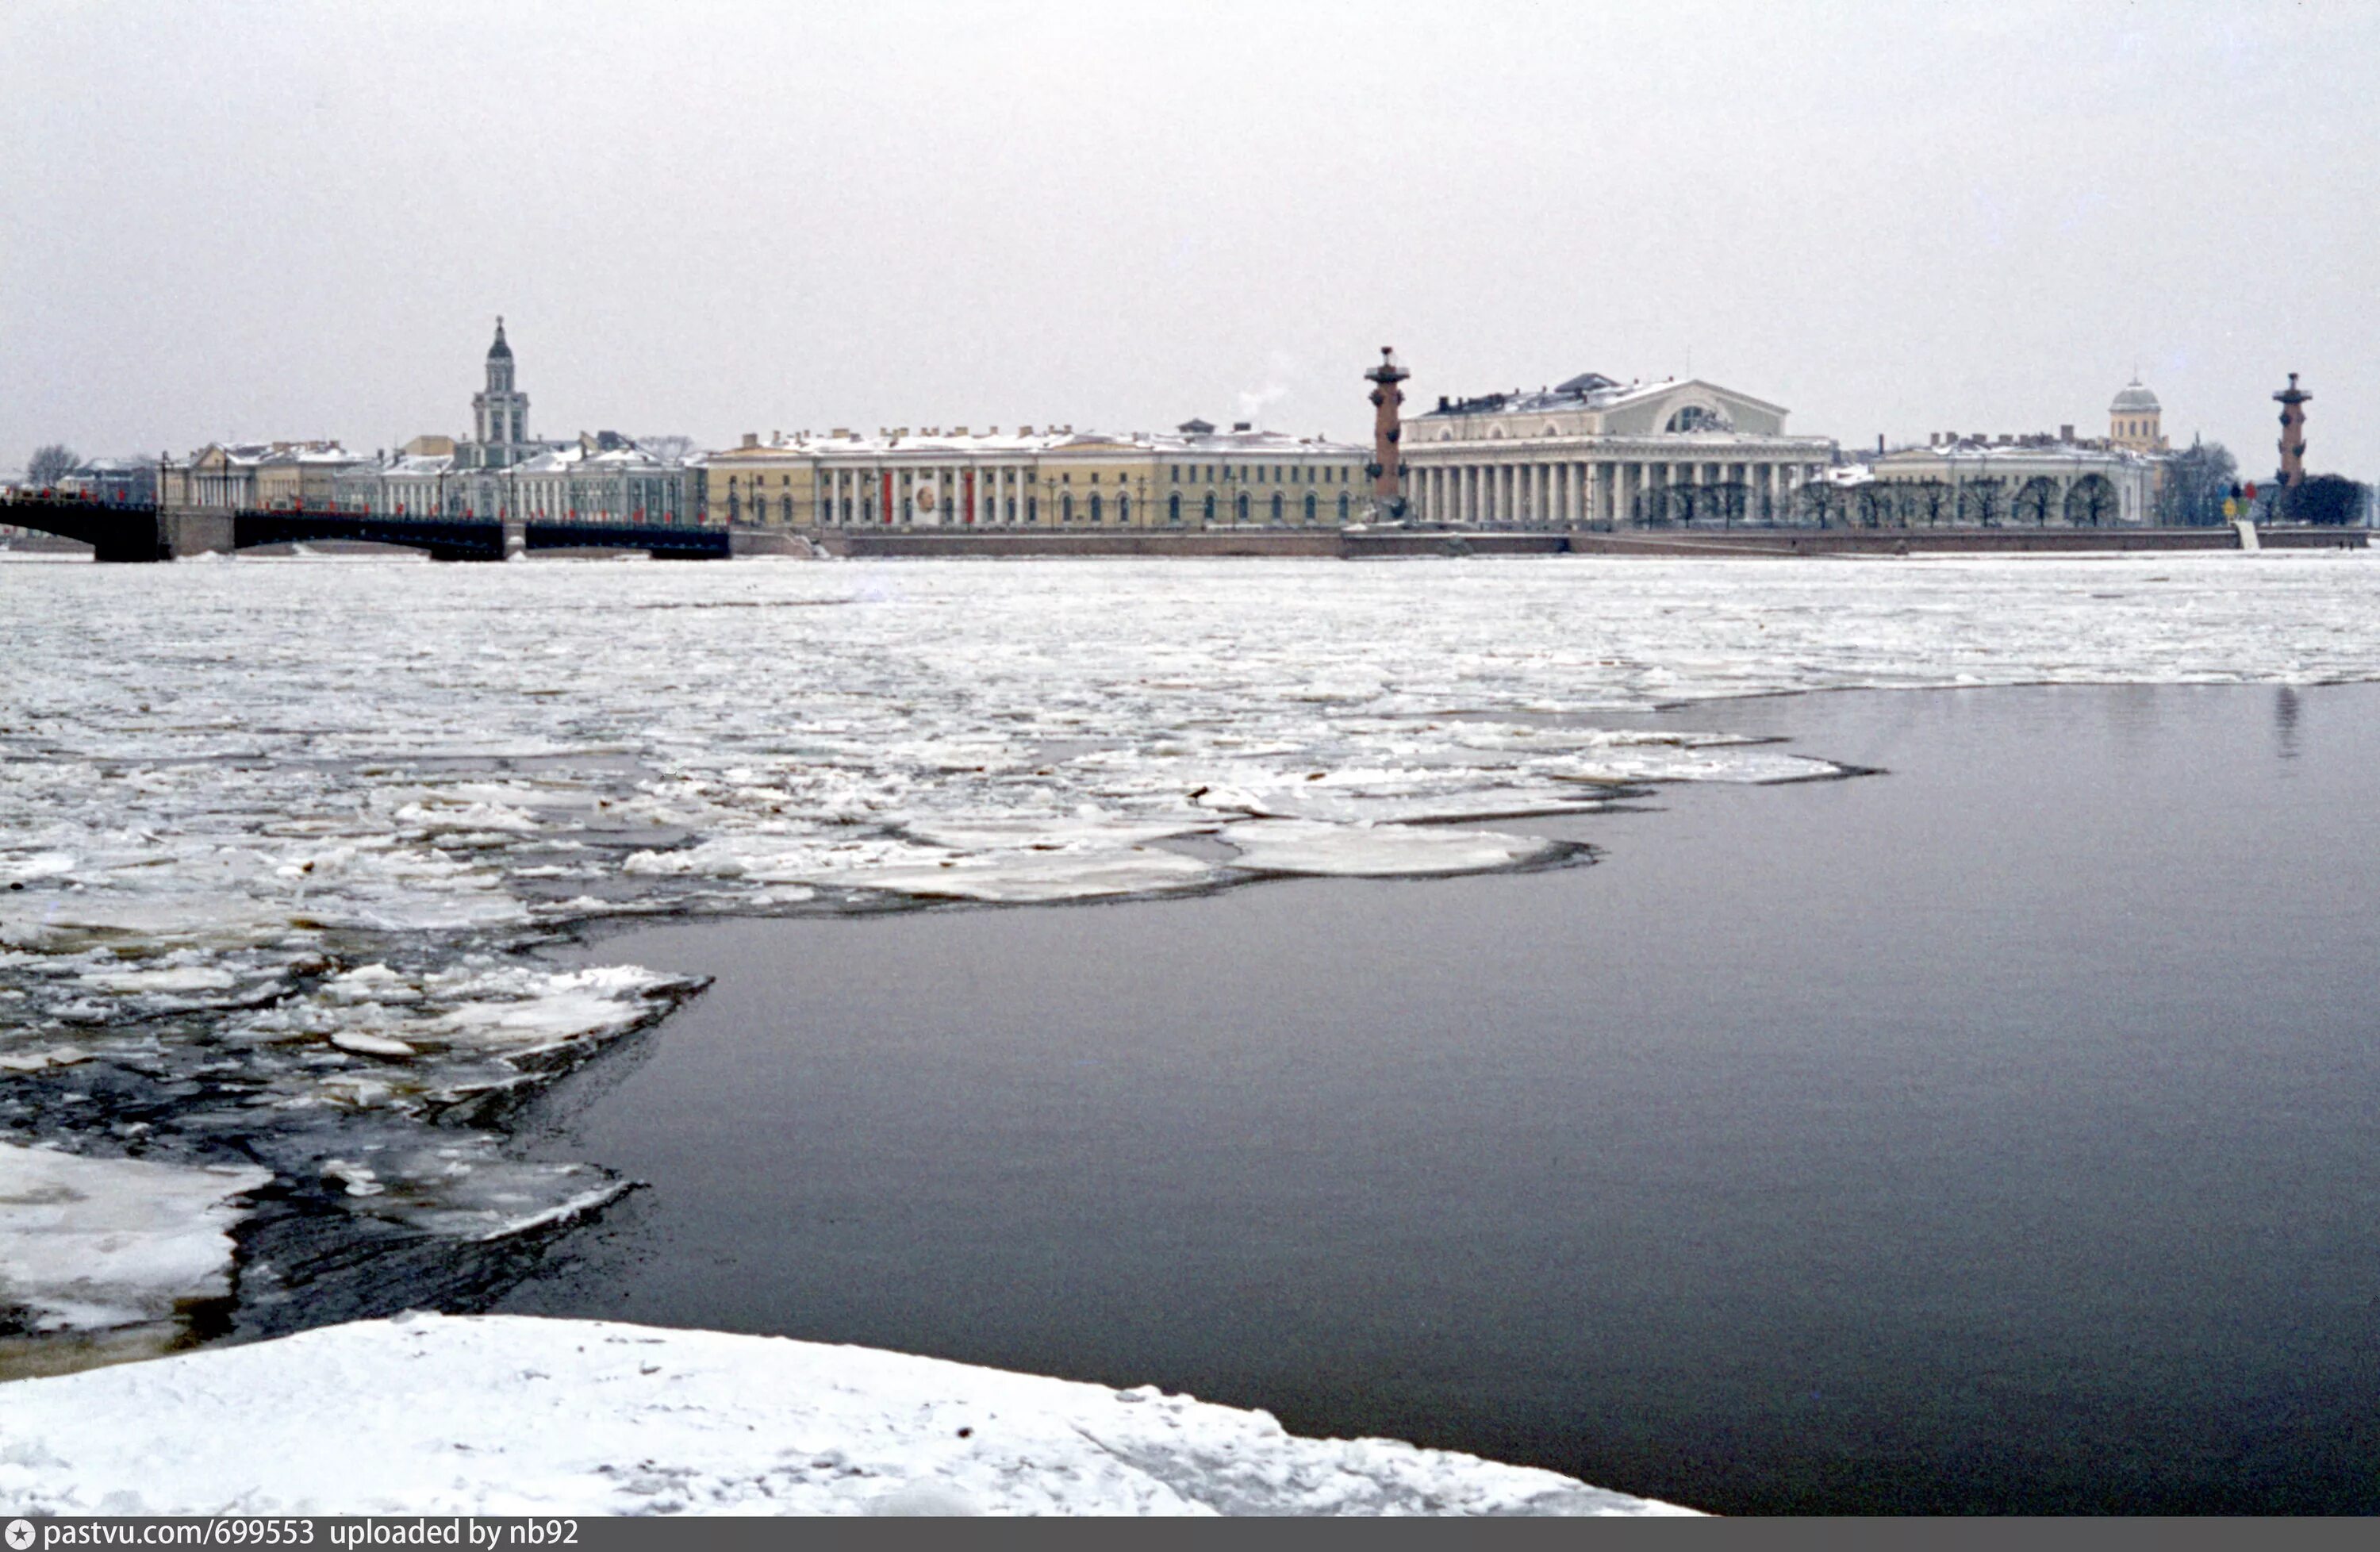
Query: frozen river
[[273, 834]]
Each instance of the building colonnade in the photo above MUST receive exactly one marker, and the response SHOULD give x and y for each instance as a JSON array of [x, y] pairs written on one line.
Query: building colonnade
[[1569, 492]]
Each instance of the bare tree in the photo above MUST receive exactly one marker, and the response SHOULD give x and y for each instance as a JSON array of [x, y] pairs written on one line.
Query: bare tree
[[2034, 499], [2196, 481], [1822, 502], [1979, 502], [51, 462], [1932, 499], [2090, 503]]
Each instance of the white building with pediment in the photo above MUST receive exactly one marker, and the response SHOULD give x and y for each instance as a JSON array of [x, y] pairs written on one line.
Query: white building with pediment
[[1595, 451]]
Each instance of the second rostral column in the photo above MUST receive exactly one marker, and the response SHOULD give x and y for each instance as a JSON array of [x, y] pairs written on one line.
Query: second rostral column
[[1388, 477]]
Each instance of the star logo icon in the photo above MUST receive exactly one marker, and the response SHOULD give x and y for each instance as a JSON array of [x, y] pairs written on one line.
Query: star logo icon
[[20, 1534]]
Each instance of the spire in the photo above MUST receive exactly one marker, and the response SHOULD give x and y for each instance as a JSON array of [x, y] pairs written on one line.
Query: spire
[[500, 347]]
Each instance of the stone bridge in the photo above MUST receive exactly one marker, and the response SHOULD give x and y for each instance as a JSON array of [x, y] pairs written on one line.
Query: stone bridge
[[123, 532]]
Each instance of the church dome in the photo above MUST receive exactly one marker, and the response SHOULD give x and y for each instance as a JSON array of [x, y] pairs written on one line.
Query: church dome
[[500, 350], [2135, 400]]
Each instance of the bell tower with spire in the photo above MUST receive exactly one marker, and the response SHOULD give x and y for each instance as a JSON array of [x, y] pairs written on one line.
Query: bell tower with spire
[[500, 413]]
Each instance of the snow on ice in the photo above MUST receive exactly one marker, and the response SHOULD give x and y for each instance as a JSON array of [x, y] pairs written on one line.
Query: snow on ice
[[92, 1243], [271, 834], [511, 1415]]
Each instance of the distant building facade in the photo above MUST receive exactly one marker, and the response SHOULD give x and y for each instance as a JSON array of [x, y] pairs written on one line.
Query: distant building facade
[[260, 476], [1592, 451], [501, 471], [2028, 481], [116, 481], [1194, 477], [2035, 480]]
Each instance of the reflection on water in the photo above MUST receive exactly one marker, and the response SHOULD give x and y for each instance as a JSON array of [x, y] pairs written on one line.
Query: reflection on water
[[1991, 1134], [2285, 722]]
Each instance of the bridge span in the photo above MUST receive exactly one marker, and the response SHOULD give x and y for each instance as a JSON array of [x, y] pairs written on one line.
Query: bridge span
[[137, 532]]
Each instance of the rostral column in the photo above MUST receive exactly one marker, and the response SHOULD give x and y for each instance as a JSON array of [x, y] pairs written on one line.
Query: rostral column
[[2293, 399], [1387, 398]]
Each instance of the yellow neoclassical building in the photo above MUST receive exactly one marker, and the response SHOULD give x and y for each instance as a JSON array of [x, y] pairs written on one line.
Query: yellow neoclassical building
[[1054, 478]]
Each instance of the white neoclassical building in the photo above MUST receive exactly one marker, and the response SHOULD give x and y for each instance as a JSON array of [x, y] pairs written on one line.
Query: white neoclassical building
[[2016, 481], [1594, 451]]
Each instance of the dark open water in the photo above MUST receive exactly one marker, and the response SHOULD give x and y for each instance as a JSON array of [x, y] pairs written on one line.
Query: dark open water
[[2000, 1134]]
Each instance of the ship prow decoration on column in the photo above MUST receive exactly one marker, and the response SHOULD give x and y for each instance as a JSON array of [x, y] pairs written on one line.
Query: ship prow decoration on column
[[1388, 400]]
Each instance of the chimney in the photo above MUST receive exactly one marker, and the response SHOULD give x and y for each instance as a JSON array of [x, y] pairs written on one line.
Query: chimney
[[752, 439], [2066, 433], [1239, 425], [1879, 444]]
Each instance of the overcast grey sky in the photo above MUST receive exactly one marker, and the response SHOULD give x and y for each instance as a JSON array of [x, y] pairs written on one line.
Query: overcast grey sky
[[283, 219]]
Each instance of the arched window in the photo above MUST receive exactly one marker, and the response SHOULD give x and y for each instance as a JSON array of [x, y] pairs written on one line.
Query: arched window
[[1096, 517], [1123, 511], [1310, 505], [1276, 508], [1343, 506], [1209, 515], [1066, 507], [1700, 417], [1173, 507], [1240, 508]]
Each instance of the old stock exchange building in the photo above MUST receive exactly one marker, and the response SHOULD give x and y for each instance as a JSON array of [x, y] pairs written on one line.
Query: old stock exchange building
[[1593, 451]]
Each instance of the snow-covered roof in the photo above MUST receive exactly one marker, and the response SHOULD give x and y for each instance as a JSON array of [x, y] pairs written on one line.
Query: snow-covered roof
[[1971, 450], [1066, 441], [2133, 400], [601, 450], [1586, 390]]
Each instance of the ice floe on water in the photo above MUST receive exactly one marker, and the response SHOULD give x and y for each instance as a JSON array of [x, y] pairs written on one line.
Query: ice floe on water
[[1379, 850], [273, 835], [95, 1243], [507, 1414]]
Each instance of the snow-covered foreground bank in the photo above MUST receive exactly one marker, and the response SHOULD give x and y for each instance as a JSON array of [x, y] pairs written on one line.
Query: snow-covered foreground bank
[[505, 1415]]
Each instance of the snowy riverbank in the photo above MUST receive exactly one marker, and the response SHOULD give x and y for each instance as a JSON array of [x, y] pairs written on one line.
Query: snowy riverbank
[[505, 1414]]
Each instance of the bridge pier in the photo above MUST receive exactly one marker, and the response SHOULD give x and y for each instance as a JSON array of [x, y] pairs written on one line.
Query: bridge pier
[[515, 537], [166, 534], [182, 533]]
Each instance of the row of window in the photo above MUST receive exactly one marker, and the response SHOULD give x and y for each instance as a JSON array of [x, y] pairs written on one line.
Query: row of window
[[1190, 474], [1243, 508]]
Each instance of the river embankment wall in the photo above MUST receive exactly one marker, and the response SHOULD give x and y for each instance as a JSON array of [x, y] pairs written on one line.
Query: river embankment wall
[[1378, 544]]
